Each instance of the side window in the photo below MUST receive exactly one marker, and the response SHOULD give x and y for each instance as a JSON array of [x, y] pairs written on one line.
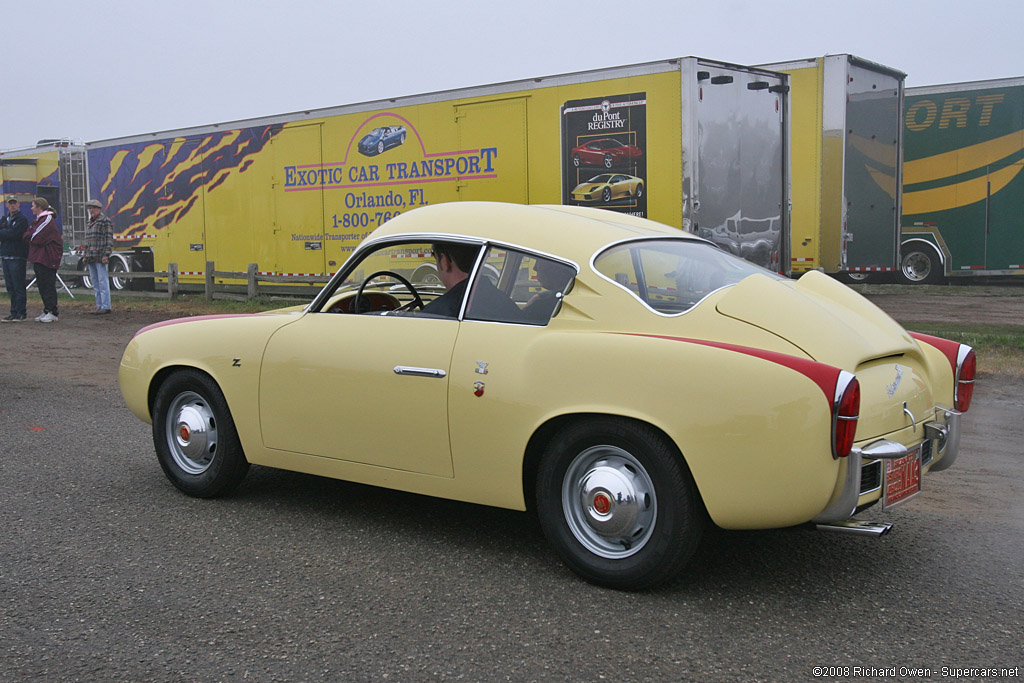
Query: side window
[[517, 287], [396, 277]]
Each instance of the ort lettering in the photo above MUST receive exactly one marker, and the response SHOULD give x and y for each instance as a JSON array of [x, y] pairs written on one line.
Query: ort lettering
[[957, 112]]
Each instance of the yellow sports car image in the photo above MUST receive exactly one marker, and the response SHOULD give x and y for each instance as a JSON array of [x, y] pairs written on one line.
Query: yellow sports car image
[[609, 186], [628, 383]]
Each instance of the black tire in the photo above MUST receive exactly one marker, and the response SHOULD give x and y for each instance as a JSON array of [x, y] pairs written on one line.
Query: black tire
[[855, 277], [606, 195], [117, 264], [609, 161], [639, 191], [576, 160], [189, 403], [920, 265], [380, 147], [610, 463]]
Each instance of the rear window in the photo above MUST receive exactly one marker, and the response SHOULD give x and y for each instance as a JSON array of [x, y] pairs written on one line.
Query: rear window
[[671, 275]]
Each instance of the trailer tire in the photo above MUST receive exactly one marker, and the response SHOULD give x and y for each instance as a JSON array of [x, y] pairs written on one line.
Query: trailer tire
[[118, 263], [920, 265]]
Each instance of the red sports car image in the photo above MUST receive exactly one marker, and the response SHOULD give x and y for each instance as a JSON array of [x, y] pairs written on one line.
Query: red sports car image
[[607, 152]]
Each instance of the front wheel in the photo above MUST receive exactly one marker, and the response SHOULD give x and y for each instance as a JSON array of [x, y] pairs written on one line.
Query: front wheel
[[618, 503], [195, 437]]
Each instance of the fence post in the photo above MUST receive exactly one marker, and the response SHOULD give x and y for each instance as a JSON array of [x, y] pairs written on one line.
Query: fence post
[[252, 291], [209, 280], [172, 280]]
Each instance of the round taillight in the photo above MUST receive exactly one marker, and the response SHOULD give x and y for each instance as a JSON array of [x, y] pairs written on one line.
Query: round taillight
[[967, 368], [846, 411]]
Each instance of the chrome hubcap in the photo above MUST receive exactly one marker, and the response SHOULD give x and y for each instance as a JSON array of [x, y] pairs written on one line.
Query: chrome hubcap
[[609, 502], [916, 266], [192, 433]]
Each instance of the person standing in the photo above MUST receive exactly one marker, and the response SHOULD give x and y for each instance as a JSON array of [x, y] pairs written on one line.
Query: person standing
[[13, 252], [99, 237], [45, 249]]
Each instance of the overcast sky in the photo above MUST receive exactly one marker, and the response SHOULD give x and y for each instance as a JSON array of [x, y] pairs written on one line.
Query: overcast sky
[[110, 68]]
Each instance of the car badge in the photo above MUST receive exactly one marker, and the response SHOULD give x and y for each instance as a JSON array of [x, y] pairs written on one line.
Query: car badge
[[481, 367], [478, 388], [891, 388]]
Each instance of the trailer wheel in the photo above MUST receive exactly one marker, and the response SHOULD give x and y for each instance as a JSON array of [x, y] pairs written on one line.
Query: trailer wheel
[[85, 281], [118, 264], [920, 265], [852, 277]]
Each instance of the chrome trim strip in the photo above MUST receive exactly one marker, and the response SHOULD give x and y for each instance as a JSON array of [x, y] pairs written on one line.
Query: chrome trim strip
[[420, 372]]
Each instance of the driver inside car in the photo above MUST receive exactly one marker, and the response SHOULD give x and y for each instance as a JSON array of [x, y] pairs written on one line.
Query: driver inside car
[[454, 262]]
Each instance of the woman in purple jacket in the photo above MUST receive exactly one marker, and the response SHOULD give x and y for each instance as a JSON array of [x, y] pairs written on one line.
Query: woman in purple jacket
[[45, 249]]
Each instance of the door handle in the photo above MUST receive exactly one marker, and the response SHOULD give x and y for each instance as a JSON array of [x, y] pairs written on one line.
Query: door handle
[[419, 372]]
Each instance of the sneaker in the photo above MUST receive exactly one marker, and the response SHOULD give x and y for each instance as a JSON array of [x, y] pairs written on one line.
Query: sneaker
[[9, 319], [47, 318], [100, 311], [39, 318]]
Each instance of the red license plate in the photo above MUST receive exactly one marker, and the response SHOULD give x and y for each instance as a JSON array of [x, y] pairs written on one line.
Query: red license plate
[[902, 478]]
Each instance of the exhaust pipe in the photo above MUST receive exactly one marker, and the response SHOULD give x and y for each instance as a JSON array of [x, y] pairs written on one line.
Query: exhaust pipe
[[855, 526]]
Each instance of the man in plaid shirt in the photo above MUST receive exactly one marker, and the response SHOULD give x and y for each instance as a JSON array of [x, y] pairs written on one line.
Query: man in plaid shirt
[[99, 237]]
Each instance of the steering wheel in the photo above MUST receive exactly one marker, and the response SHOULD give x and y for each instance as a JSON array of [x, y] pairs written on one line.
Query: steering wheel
[[417, 301]]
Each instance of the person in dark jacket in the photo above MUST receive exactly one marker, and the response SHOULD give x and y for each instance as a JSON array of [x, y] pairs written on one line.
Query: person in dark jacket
[[454, 262], [45, 249], [13, 252]]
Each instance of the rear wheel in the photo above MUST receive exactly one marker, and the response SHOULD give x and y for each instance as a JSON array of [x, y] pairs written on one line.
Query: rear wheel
[[117, 264], [618, 503], [194, 435], [920, 265]]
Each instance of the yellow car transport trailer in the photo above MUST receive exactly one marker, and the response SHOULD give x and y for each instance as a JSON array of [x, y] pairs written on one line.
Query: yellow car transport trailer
[[689, 142]]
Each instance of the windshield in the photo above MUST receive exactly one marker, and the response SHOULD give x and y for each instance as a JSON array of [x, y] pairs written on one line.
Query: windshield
[[671, 275]]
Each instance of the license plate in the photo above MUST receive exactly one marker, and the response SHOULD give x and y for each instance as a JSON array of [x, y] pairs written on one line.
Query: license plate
[[902, 478]]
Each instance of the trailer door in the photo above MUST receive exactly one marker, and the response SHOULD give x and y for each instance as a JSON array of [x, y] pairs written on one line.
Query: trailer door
[[870, 237], [292, 241], [1004, 224], [740, 165], [496, 131]]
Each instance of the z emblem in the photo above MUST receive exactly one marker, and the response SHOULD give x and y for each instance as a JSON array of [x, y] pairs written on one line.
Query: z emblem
[[237, 363]]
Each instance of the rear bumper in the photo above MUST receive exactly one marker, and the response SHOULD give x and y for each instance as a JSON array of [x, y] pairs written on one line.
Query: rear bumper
[[860, 484]]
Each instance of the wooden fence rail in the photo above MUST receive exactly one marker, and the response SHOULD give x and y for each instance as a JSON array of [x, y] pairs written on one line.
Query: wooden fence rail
[[212, 289]]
